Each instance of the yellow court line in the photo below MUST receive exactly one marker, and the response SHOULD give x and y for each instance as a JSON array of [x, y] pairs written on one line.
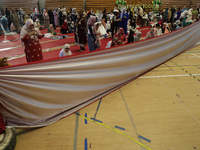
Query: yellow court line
[[106, 126]]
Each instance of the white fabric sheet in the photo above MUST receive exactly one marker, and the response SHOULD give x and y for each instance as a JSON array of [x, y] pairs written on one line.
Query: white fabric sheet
[[39, 94]]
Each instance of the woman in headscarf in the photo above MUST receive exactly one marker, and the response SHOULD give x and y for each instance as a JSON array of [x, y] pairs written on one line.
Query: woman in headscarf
[[55, 14], [51, 17], [74, 18], [150, 34], [92, 41], [15, 20], [121, 37], [81, 34], [130, 36], [138, 36], [124, 20], [46, 18], [178, 13], [64, 28], [7, 12], [30, 39], [166, 15], [51, 30]]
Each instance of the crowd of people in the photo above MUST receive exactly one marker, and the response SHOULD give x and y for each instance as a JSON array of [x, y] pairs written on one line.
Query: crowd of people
[[89, 27]]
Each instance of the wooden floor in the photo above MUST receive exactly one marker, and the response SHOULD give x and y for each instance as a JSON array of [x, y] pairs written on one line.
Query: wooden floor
[[159, 111]]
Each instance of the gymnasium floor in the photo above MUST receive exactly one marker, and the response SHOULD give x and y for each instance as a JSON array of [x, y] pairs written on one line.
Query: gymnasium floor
[[159, 111]]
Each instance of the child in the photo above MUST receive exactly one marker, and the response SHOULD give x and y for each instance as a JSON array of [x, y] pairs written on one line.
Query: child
[[65, 51]]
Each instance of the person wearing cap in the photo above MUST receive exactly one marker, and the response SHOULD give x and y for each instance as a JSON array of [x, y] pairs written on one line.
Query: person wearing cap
[[30, 36], [65, 51]]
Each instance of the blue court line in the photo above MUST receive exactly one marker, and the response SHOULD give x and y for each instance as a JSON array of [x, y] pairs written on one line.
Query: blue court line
[[144, 138], [96, 120], [120, 128], [98, 108], [86, 145], [86, 119]]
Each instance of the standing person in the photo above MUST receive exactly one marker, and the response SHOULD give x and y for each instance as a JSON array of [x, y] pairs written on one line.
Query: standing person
[[65, 51], [46, 18], [81, 34], [104, 15], [178, 13], [7, 12], [4, 22], [115, 22], [55, 14], [124, 20], [51, 17], [15, 20], [92, 42], [30, 38], [74, 18]]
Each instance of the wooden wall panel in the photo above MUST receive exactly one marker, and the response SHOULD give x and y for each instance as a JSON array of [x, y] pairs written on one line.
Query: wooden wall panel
[[26, 5], [52, 4]]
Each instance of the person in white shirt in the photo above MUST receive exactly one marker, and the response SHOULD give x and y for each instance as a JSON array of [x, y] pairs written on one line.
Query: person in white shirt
[[65, 51], [158, 30]]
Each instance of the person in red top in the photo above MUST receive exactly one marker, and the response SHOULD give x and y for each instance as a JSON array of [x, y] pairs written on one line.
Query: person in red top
[[30, 39], [64, 28], [121, 37]]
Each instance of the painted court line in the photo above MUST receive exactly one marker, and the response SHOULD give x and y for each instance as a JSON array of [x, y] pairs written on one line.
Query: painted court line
[[178, 100], [144, 138], [130, 116], [168, 76], [97, 108], [76, 132], [119, 128], [115, 130]]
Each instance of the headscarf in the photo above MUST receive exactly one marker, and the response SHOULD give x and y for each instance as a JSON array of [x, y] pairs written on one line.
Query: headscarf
[[45, 12], [122, 13], [73, 11], [25, 30], [121, 35], [64, 26], [91, 21], [51, 28], [138, 36]]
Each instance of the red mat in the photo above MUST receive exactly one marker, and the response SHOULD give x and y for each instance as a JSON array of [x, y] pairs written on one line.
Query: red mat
[[13, 43]]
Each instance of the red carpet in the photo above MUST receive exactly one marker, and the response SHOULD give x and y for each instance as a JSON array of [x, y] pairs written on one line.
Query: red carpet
[[10, 46]]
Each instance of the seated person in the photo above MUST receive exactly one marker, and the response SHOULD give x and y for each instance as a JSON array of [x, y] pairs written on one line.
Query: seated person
[[65, 51], [121, 37], [51, 30], [37, 24], [138, 36], [130, 36], [4, 62], [112, 43], [72, 27], [150, 34], [64, 28], [158, 30]]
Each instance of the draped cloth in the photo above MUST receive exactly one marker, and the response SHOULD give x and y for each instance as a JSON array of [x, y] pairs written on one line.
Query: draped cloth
[[39, 94]]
